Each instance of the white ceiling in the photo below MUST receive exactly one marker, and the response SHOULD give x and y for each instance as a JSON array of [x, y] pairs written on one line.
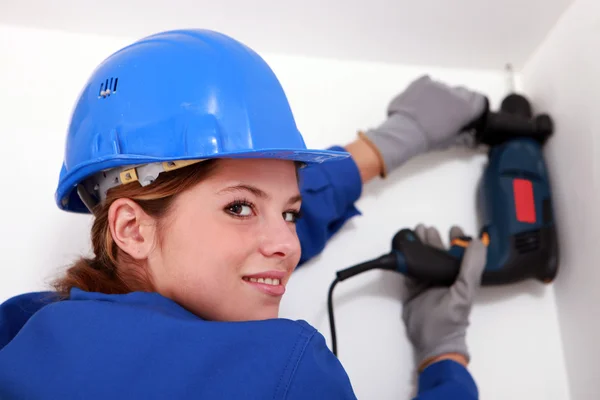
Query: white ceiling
[[455, 33]]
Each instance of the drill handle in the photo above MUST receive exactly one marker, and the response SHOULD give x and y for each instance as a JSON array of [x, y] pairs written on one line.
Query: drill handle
[[423, 262]]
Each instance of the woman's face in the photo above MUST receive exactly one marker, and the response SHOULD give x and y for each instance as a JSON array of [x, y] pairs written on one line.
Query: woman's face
[[229, 244]]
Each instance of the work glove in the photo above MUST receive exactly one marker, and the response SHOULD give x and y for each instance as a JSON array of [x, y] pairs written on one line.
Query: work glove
[[437, 318], [428, 115]]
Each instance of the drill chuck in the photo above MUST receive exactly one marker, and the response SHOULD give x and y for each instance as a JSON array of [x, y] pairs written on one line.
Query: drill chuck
[[514, 120]]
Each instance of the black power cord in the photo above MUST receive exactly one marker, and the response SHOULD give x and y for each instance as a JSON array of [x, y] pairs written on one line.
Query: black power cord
[[388, 261], [330, 311]]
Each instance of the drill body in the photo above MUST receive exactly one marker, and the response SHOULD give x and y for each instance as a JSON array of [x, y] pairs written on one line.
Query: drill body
[[515, 196]]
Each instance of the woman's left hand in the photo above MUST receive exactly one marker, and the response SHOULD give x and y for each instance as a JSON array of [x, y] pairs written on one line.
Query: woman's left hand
[[437, 318], [428, 115]]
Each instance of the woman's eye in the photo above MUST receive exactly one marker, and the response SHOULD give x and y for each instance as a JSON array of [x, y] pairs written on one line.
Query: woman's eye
[[242, 210], [291, 216]]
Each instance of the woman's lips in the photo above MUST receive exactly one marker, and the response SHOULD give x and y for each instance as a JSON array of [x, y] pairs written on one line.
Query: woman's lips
[[269, 282]]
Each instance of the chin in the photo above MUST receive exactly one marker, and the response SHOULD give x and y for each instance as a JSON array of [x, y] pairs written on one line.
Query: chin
[[269, 312]]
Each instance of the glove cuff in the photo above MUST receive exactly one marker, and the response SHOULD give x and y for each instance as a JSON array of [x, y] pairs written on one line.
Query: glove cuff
[[398, 139], [456, 344]]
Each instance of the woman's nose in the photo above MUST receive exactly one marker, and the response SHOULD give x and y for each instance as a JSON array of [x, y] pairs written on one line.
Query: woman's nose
[[279, 239]]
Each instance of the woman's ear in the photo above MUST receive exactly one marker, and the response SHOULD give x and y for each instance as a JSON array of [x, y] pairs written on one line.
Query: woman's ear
[[132, 229]]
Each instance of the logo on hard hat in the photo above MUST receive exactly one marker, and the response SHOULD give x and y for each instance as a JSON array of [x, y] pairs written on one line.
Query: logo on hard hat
[[108, 87]]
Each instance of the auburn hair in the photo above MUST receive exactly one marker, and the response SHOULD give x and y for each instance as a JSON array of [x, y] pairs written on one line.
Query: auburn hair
[[101, 273]]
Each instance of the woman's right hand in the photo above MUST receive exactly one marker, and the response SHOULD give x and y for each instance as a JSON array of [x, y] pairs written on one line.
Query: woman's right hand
[[437, 318]]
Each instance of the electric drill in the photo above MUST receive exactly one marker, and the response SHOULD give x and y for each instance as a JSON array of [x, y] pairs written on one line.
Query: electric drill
[[518, 227], [518, 217]]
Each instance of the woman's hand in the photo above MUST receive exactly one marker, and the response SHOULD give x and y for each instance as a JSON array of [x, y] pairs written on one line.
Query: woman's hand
[[437, 318], [428, 115]]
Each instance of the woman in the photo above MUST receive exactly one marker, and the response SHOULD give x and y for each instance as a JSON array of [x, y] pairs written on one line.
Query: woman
[[184, 148]]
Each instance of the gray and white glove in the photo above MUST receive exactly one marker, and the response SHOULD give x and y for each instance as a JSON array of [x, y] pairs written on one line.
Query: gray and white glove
[[428, 115], [436, 318]]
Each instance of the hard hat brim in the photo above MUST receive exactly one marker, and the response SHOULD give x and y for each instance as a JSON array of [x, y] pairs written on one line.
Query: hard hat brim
[[67, 199]]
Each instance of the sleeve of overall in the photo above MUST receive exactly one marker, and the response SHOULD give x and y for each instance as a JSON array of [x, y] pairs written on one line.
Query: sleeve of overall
[[329, 191], [447, 380], [319, 375]]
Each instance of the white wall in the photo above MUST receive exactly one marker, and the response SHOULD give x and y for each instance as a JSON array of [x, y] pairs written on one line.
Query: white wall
[[563, 78], [514, 338]]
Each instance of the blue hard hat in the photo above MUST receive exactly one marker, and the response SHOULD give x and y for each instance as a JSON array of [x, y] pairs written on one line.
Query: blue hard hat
[[176, 96]]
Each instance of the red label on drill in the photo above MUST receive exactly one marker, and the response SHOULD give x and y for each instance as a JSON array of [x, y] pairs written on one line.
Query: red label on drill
[[524, 200]]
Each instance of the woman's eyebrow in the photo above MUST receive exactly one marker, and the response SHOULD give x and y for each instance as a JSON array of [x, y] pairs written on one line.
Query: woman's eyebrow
[[245, 188], [295, 199], [257, 192]]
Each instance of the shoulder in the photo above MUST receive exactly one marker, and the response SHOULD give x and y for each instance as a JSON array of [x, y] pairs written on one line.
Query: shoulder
[[317, 372], [309, 370]]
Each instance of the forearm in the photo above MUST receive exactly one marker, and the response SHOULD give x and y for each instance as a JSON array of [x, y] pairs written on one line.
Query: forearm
[[329, 192]]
